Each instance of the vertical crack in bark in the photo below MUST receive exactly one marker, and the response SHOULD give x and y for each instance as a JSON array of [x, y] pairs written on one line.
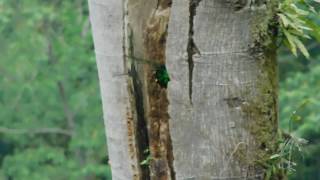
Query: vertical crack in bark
[[142, 139], [161, 165], [136, 122], [140, 127], [191, 47]]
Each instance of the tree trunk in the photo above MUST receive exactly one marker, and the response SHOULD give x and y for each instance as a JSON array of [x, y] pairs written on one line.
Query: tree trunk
[[217, 117]]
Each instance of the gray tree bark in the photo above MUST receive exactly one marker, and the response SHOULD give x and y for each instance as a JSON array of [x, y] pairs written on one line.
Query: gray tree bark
[[217, 117]]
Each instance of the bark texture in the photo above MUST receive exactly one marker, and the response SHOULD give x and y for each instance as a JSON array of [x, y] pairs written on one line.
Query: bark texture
[[107, 25], [217, 119], [223, 93]]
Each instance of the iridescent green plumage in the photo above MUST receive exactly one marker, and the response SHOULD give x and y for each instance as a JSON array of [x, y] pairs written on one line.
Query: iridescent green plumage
[[162, 76]]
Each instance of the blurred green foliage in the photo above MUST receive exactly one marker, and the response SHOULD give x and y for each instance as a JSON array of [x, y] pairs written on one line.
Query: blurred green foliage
[[300, 102], [51, 124], [300, 115]]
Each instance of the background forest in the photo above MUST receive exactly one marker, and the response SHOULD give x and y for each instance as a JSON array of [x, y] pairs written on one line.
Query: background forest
[[51, 122]]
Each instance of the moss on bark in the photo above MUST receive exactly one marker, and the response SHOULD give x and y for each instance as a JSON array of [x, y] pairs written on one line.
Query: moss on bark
[[261, 108]]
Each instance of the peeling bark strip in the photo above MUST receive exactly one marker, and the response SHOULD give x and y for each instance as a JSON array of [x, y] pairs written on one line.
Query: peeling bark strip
[[139, 126], [145, 33], [191, 47], [161, 165]]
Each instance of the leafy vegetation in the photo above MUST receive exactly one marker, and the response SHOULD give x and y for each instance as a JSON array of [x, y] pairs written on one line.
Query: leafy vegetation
[[299, 98], [146, 162], [299, 25], [296, 23]]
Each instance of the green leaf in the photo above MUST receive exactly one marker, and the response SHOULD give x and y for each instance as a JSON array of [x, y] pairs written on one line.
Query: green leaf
[[316, 29], [302, 48], [146, 161], [299, 11], [275, 156], [291, 41], [284, 20]]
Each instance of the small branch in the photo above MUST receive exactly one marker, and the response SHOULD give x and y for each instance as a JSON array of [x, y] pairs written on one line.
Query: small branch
[[5, 130], [66, 108]]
